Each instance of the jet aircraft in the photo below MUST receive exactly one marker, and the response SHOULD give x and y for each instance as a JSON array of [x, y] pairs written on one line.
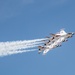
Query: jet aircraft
[[55, 41]]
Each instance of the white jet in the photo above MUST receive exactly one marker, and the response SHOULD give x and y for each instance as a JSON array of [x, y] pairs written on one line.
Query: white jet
[[55, 37], [63, 36]]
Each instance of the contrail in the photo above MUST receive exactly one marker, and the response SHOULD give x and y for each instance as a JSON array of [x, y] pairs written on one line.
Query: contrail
[[14, 47]]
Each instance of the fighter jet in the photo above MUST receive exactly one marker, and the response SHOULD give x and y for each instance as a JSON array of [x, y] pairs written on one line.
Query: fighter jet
[[63, 36], [55, 37], [47, 48]]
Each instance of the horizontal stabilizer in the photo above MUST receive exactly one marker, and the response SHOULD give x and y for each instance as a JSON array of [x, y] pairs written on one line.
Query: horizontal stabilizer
[[52, 34]]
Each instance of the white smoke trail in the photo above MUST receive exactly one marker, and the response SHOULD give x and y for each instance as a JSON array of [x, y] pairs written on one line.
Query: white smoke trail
[[8, 48], [15, 52]]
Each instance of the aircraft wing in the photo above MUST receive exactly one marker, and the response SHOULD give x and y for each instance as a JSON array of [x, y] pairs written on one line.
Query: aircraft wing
[[55, 35], [45, 51], [51, 40], [50, 48], [41, 48]]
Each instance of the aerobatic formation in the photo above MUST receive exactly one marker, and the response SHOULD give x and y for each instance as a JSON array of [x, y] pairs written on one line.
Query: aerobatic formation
[[55, 41], [15, 47]]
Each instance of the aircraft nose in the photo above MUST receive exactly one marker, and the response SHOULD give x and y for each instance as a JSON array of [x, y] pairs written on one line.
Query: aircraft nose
[[73, 33]]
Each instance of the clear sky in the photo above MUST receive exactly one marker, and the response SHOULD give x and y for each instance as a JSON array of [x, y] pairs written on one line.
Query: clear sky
[[33, 19]]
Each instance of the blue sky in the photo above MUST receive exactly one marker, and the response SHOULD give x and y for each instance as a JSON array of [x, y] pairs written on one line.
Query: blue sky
[[33, 19]]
